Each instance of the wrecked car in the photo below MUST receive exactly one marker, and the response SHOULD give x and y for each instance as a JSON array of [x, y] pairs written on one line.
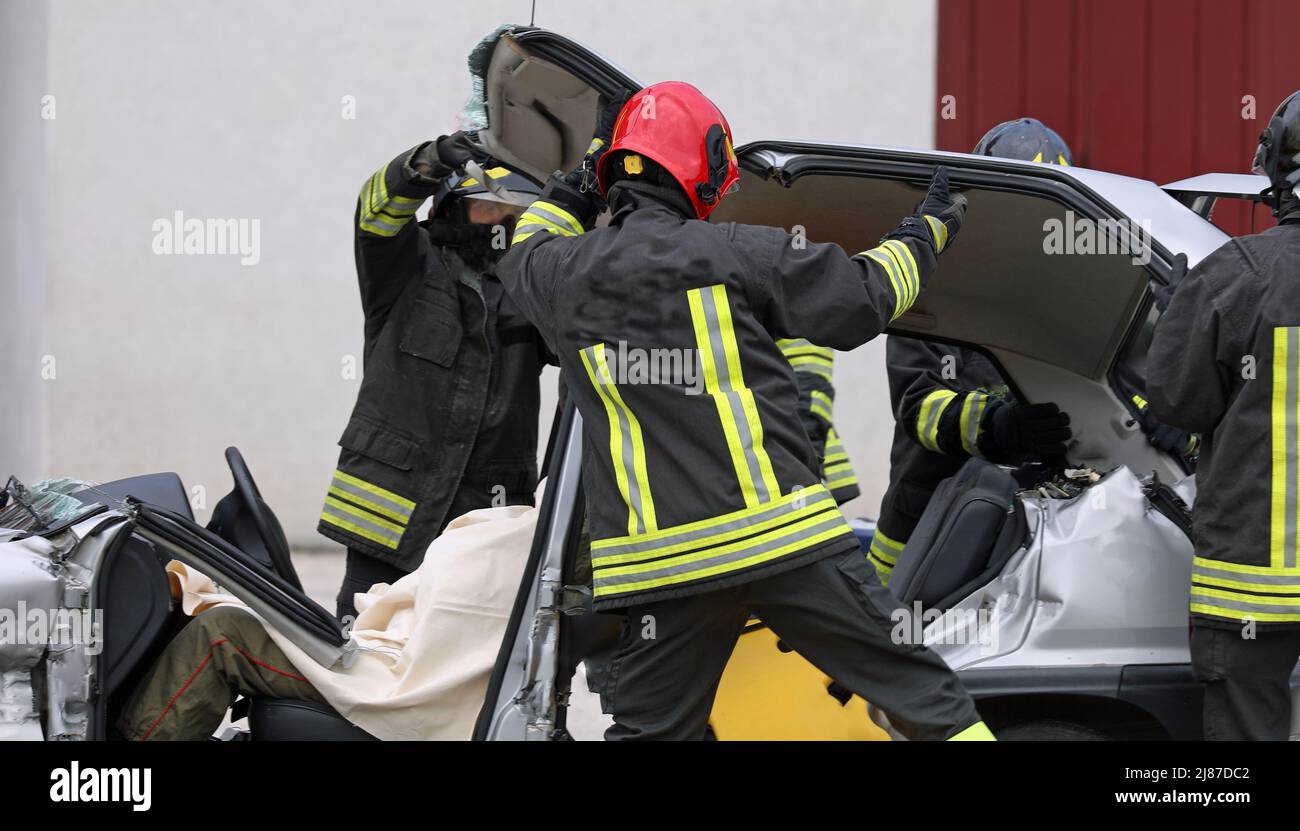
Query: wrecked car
[[1076, 589]]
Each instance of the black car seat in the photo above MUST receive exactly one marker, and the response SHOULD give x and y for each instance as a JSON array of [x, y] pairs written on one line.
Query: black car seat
[[970, 529]]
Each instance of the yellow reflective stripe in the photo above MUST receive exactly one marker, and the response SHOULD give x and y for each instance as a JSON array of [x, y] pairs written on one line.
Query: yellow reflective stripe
[[833, 443], [939, 231], [841, 481], [375, 489], [895, 281], [799, 544], [972, 411], [527, 221], [553, 214], [910, 269], [838, 456], [821, 405], [927, 420], [809, 363], [885, 549], [1285, 510], [369, 504], [1243, 568], [715, 338], [1246, 585], [712, 542], [357, 530], [794, 500], [977, 732], [696, 552], [1236, 614], [518, 237], [360, 513], [1139, 401], [797, 347], [381, 214], [1241, 605], [626, 443]]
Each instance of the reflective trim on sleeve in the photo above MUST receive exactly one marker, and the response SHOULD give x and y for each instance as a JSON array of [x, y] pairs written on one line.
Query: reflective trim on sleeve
[[626, 444], [884, 554], [802, 347], [938, 231], [927, 420], [903, 296], [715, 338], [821, 405], [381, 214], [972, 411], [361, 523], [549, 217]]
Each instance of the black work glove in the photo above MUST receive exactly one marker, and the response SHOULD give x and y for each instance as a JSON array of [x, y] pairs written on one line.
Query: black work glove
[[1018, 430], [1163, 293], [438, 159], [939, 216]]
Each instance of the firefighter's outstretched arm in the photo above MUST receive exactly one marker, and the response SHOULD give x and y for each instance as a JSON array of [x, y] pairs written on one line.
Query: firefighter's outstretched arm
[[389, 248], [843, 301]]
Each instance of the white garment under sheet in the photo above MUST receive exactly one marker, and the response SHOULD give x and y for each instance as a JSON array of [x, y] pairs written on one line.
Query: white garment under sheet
[[427, 642]]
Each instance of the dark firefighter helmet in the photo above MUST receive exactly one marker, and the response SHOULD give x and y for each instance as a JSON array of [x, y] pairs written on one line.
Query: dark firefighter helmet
[[1278, 154], [502, 185], [1027, 139]]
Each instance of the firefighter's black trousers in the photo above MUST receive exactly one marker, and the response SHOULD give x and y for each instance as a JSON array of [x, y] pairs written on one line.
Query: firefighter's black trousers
[[1247, 679], [833, 612]]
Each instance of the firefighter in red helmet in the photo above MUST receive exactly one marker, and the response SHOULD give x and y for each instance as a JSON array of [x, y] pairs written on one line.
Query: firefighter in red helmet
[[706, 504]]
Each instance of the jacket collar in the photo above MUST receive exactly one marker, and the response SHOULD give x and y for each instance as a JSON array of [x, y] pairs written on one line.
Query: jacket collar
[[626, 196]]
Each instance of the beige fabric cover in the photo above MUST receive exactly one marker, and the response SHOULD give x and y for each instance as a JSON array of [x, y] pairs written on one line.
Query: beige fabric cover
[[426, 643]]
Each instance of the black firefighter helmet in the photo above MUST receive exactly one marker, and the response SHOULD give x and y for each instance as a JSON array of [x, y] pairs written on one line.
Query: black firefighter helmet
[[495, 184], [1027, 139], [1278, 154]]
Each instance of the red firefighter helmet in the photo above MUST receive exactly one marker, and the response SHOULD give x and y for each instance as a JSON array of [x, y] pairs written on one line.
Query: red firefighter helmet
[[675, 126]]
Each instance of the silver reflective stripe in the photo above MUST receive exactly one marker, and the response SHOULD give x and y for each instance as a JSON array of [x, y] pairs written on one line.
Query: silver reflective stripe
[[382, 222], [975, 403], [937, 408], [371, 496], [1292, 485], [1242, 577], [599, 553], [361, 522], [1244, 605], [539, 209], [771, 541], [723, 370], [625, 444]]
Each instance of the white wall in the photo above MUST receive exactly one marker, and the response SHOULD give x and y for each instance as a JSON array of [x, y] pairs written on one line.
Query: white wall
[[232, 109], [24, 424]]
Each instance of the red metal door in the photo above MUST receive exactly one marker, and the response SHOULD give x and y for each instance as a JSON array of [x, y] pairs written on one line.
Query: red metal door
[[1149, 88]]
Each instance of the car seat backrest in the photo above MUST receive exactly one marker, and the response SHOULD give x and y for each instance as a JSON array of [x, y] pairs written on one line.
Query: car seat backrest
[[970, 529]]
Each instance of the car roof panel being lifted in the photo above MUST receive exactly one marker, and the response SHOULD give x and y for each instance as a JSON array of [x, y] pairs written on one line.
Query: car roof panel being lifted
[[542, 94]]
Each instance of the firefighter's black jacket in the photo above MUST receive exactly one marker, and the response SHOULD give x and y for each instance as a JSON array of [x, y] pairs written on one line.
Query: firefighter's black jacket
[[691, 489], [446, 418], [942, 397], [1225, 362]]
